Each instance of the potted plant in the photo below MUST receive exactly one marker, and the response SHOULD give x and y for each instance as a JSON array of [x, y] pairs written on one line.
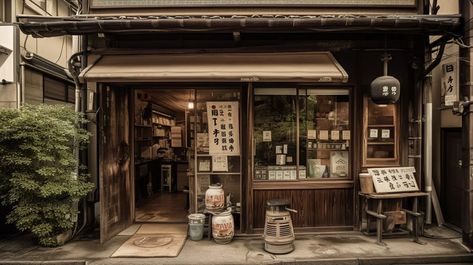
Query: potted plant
[[38, 168]]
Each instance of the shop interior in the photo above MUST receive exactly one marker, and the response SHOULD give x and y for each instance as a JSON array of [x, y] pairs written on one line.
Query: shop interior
[[173, 164], [160, 155]]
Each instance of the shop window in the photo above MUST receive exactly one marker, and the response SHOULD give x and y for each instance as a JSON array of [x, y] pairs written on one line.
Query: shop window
[[301, 134], [324, 133], [381, 134]]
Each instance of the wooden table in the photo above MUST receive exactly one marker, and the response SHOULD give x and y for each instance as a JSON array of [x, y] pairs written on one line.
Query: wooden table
[[380, 217]]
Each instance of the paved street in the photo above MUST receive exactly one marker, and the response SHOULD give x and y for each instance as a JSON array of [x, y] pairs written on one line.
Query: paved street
[[351, 248]]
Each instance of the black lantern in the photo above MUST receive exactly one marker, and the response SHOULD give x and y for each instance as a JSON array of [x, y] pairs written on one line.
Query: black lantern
[[385, 89]]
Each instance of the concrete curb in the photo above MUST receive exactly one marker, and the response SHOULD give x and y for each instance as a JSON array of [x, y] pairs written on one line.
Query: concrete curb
[[56, 262], [440, 259]]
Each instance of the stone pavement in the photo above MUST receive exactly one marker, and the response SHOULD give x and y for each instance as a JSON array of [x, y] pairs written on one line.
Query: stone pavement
[[334, 248]]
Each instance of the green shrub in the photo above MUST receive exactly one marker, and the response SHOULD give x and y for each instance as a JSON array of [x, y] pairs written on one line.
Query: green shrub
[[37, 168]]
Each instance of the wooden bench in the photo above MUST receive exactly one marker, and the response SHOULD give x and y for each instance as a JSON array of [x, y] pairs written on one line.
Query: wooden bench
[[413, 213]]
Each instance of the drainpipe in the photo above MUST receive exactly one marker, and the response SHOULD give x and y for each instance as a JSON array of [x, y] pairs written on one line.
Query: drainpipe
[[21, 98], [428, 130]]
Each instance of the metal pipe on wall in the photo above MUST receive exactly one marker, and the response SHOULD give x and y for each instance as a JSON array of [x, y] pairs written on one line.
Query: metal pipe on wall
[[428, 126], [428, 157]]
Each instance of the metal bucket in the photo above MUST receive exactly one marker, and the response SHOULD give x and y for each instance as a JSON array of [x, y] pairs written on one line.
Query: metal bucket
[[196, 226]]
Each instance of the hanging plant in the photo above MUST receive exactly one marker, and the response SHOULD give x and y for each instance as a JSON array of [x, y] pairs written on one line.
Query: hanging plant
[[38, 169]]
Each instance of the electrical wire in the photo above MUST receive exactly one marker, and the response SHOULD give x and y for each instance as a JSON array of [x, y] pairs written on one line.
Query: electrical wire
[[62, 48]]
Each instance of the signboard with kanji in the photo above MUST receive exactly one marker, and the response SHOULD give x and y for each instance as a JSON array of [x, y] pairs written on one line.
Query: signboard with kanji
[[224, 138], [449, 84], [394, 179]]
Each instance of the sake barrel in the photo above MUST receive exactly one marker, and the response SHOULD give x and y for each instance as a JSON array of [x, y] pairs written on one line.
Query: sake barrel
[[214, 197], [223, 227]]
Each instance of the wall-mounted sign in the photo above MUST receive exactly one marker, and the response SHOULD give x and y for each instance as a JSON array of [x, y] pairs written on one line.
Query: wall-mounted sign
[[385, 90], [395, 179], [449, 84], [224, 132]]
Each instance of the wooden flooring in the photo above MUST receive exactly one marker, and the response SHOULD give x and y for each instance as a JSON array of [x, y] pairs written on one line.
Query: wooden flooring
[[163, 207]]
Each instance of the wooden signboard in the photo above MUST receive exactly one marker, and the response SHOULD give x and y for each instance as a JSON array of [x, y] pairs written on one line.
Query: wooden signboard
[[393, 179]]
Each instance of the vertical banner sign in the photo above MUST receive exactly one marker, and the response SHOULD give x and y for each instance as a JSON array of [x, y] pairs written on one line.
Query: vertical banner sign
[[449, 83], [224, 137]]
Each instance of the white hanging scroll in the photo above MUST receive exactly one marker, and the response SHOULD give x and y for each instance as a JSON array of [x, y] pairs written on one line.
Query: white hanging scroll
[[395, 179], [224, 137]]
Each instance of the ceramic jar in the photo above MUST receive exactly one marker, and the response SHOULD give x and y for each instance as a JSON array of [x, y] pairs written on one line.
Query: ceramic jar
[[223, 227], [214, 198]]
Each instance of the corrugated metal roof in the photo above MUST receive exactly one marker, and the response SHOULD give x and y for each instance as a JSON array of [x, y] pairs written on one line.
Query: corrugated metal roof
[[428, 24]]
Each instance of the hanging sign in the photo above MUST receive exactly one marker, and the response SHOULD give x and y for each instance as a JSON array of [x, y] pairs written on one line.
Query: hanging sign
[[395, 179], [385, 90], [223, 128], [449, 84]]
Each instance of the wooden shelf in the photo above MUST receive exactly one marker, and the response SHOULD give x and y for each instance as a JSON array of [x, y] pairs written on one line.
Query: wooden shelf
[[219, 173], [381, 143], [142, 125], [144, 139], [160, 124], [382, 125]]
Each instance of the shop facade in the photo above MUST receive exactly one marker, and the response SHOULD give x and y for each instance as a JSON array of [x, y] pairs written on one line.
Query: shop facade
[[282, 106]]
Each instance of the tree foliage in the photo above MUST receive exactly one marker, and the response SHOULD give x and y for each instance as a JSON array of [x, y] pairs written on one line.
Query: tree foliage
[[38, 168]]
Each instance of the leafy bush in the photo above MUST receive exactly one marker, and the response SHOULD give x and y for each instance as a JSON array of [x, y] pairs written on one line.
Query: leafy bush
[[37, 168]]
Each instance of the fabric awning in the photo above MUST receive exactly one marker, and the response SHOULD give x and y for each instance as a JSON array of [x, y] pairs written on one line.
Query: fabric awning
[[217, 67]]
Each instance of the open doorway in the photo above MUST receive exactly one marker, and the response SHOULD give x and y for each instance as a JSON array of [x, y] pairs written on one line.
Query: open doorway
[[161, 155]]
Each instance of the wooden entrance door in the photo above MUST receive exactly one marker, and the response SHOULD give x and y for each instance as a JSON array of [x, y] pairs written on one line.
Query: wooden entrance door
[[116, 190], [452, 176]]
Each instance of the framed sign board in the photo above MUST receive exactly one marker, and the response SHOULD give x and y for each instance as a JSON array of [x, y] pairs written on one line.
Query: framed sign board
[[252, 3], [393, 179]]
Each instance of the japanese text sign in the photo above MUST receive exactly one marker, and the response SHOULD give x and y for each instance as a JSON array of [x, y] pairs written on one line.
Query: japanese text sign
[[449, 84], [395, 179], [224, 138]]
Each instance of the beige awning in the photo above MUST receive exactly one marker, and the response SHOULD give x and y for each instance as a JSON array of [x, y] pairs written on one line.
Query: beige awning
[[217, 67]]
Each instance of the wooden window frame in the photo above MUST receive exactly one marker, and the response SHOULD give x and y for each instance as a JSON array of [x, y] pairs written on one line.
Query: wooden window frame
[[380, 162]]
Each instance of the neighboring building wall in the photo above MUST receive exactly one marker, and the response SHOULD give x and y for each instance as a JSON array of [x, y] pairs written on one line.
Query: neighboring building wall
[[442, 116], [56, 50]]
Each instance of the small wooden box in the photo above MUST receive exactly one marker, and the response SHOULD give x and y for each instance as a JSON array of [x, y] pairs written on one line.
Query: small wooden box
[[394, 218]]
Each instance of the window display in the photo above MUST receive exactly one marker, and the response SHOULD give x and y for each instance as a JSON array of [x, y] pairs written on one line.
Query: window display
[[215, 124], [301, 134], [380, 142]]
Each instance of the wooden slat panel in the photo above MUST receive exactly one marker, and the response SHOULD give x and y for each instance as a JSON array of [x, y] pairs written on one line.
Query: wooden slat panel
[[317, 208], [115, 177]]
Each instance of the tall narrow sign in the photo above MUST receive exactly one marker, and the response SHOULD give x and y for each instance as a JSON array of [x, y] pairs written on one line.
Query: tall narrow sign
[[224, 137]]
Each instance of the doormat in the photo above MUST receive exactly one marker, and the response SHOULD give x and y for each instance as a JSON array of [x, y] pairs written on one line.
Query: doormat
[[154, 240]]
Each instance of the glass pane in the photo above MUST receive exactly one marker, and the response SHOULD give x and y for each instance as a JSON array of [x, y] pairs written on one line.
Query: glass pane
[[324, 133], [381, 133], [275, 134], [215, 168], [380, 114]]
